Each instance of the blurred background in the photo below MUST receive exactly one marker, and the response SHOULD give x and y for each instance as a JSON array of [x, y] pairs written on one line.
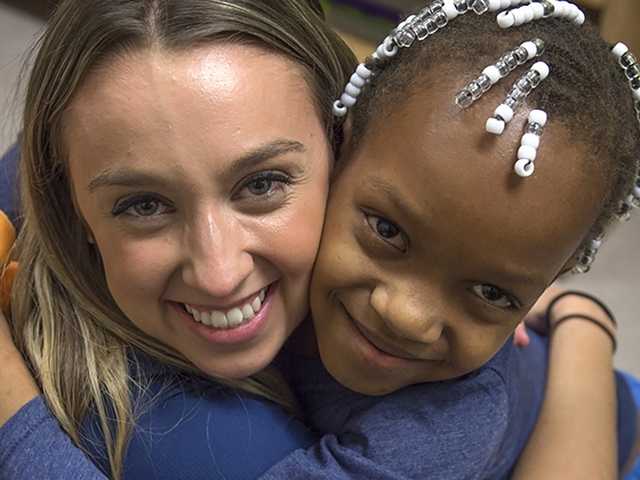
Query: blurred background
[[616, 274]]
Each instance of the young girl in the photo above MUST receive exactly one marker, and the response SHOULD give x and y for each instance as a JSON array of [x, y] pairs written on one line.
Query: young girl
[[168, 458], [447, 221]]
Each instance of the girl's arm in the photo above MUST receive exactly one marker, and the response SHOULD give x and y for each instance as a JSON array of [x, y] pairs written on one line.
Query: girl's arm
[[575, 436]]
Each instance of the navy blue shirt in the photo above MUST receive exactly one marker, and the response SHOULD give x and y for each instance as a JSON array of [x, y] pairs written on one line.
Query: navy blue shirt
[[474, 427]]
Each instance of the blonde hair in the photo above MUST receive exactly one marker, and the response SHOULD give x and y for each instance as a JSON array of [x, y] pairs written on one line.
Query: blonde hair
[[67, 324]]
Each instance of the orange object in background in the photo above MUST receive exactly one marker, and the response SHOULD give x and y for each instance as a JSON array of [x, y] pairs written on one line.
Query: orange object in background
[[8, 274]]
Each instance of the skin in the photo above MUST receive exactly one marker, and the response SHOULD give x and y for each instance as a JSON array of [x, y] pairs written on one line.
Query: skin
[[429, 287], [171, 185]]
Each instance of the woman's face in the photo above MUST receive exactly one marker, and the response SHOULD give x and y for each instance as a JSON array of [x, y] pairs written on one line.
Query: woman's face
[[202, 176]]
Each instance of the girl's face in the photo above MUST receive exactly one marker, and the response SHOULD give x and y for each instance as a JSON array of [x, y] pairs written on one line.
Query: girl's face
[[434, 249], [202, 177]]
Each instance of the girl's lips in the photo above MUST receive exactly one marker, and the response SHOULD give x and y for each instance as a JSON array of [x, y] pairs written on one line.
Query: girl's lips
[[374, 351], [244, 333]]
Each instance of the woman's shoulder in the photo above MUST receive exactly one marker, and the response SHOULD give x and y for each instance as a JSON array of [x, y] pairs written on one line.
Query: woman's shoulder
[[192, 428]]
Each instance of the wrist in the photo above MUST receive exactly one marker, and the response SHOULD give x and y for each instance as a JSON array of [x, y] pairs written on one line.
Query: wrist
[[577, 311]]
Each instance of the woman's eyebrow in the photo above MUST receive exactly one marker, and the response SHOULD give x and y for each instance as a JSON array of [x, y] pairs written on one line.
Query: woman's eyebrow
[[128, 177]]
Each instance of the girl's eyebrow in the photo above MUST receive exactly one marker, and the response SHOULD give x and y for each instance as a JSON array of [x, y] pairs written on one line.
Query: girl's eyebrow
[[128, 177], [399, 200]]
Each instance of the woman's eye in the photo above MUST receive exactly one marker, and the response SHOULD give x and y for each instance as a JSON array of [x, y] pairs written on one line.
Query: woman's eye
[[141, 207], [495, 296], [387, 231], [265, 184]]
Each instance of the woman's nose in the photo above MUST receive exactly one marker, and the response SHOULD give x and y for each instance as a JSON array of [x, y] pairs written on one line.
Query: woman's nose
[[408, 315], [217, 258]]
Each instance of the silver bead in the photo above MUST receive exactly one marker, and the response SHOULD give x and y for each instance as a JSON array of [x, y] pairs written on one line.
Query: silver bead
[[637, 105], [462, 5], [485, 82], [480, 6], [525, 85], [549, 8], [521, 55], [624, 212], [627, 60], [404, 37], [511, 60], [432, 26], [464, 99], [635, 202], [436, 6], [475, 89], [533, 77], [540, 45], [441, 19], [511, 103], [535, 128], [420, 29], [517, 94], [502, 68], [633, 71], [635, 83]]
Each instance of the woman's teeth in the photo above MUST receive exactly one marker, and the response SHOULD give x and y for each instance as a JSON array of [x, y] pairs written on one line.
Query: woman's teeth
[[231, 318]]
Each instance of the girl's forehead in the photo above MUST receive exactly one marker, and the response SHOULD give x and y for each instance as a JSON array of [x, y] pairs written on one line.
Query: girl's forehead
[[458, 181]]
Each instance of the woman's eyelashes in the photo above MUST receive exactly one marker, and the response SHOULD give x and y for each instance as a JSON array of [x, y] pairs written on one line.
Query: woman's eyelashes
[[142, 206], [264, 186], [264, 190], [496, 296], [387, 231]]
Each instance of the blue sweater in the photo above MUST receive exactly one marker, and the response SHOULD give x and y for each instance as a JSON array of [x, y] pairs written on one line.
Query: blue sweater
[[475, 427], [470, 428]]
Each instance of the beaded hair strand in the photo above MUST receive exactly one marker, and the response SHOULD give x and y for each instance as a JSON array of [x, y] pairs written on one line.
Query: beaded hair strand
[[510, 13]]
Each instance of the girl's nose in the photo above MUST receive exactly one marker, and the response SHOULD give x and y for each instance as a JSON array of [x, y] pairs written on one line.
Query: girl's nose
[[408, 315]]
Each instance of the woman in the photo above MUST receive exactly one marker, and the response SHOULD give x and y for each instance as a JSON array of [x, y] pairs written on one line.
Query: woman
[[212, 119]]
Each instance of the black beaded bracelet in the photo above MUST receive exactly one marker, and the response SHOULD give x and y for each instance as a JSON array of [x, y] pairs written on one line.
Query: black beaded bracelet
[[589, 319]]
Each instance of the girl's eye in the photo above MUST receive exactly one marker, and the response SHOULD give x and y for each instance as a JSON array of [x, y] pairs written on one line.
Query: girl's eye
[[495, 296], [141, 207], [388, 231], [265, 184]]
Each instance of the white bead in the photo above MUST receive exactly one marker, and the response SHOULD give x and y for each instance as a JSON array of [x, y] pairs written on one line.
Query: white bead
[[494, 5], [538, 116], [495, 126], [524, 168], [528, 153], [619, 50], [451, 10], [352, 90], [390, 48], [542, 68], [493, 73], [357, 81], [505, 112], [339, 110], [506, 20], [531, 140], [538, 11], [519, 16], [531, 49], [347, 100], [381, 52], [596, 244], [505, 4], [363, 71], [580, 19], [528, 13]]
